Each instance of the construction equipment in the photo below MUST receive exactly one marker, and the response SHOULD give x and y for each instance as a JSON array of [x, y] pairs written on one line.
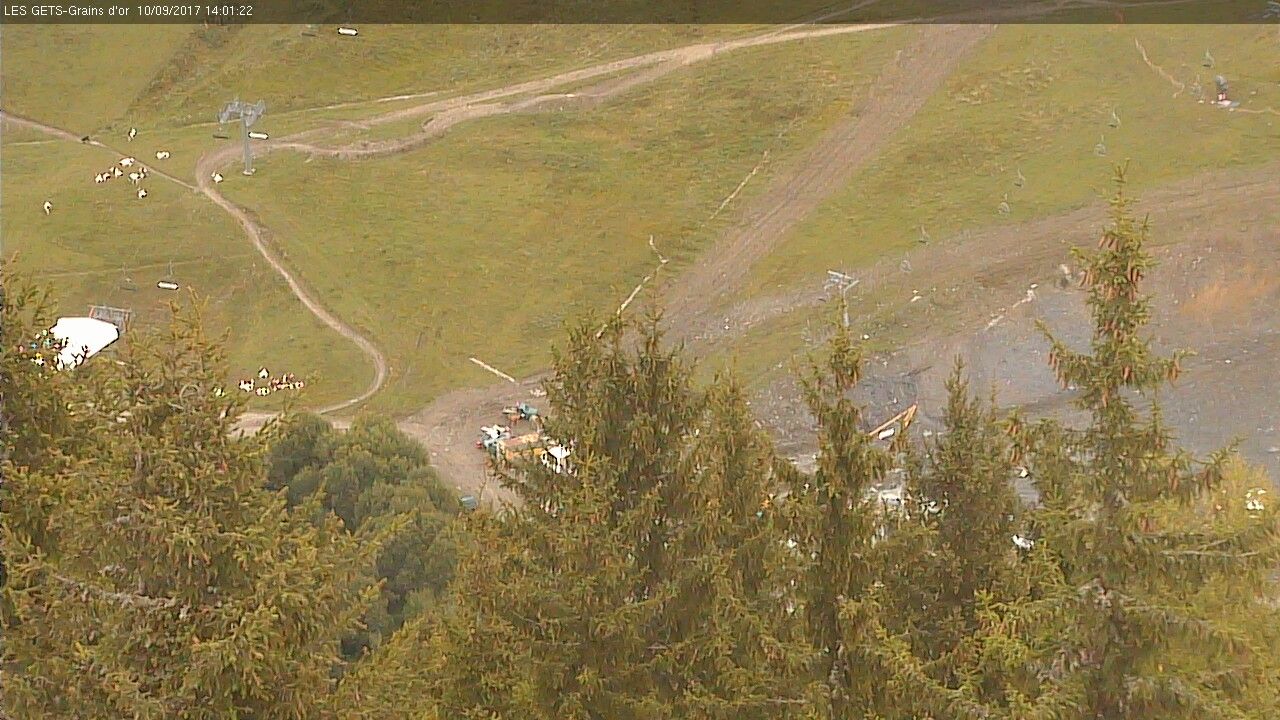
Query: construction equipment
[[886, 430], [521, 411], [490, 435]]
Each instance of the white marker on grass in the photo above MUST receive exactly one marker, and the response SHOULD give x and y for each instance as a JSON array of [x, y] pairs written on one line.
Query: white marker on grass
[[255, 135], [349, 32], [166, 285]]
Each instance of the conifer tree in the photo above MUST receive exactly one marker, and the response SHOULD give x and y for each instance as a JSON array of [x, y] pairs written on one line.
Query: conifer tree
[[375, 478], [648, 583], [835, 527], [964, 496], [164, 581], [865, 668], [1105, 489]]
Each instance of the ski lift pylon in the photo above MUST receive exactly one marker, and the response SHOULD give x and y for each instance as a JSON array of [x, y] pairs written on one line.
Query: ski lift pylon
[[126, 282]]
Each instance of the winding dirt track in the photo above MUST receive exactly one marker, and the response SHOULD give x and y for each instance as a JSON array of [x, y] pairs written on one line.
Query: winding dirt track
[[447, 424], [695, 300], [1029, 251], [533, 96], [256, 234], [901, 90]]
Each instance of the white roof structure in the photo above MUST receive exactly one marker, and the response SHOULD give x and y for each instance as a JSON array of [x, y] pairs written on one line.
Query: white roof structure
[[558, 452], [84, 338]]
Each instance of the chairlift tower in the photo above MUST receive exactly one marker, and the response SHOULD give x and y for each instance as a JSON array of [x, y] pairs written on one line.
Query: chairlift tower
[[246, 114], [844, 283]]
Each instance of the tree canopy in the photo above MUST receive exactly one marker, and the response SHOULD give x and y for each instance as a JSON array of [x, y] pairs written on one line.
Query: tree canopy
[[158, 565], [149, 574]]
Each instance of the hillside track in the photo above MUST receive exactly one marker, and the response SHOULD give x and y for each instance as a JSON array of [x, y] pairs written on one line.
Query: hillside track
[[903, 87], [1031, 249], [1214, 291], [449, 424]]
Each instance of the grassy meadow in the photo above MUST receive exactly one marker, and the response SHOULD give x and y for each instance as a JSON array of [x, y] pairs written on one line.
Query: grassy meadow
[[482, 243], [157, 76], [1037, 99], [95, 230], [486, 241]]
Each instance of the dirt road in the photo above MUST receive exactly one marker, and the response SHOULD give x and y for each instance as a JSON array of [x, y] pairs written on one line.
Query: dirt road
[[975, 257], [443, 115], [1215, 292], [453, 415], [900, 91], [449, 424]]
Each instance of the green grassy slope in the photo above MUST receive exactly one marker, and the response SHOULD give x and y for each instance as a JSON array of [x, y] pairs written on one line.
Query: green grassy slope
[[1038, 99], [483, 242], [110, 77], [94, 230]]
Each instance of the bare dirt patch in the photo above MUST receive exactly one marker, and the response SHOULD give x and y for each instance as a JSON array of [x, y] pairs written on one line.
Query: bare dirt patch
[[1215, 240]]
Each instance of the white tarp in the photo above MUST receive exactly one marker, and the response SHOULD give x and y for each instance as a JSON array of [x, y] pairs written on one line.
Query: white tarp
[[84, 337]]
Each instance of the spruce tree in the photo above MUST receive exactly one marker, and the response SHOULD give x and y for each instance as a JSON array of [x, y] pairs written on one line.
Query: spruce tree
[[163, 581], [835, 526], [853, 552], [646, 584], [1106, 489], [963, 495]]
